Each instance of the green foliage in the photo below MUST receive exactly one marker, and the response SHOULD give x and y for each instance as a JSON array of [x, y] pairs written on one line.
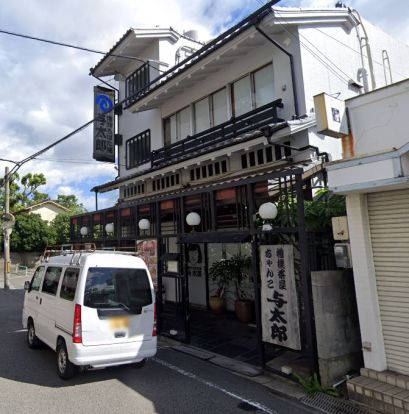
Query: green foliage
[[31, 233], [60, 227], [71, 202], [24, 192], [318, 212], [312, 385], [226, 270]]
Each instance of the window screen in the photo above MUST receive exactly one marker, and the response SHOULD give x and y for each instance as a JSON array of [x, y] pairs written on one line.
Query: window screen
[[138, 149], [51, 280], [242, 96], [202, 115], [264, 86], [219, 107]]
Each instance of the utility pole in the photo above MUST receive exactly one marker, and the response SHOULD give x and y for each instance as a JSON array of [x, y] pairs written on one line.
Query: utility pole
[[6, 231]]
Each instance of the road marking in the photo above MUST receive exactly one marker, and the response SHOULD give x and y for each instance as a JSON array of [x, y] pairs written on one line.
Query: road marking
[[188, 374]]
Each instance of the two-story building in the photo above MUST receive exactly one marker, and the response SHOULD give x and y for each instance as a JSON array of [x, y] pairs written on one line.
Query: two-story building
[[219, 129]]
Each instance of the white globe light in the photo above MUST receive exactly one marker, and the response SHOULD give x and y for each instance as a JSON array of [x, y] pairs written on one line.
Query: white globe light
[[144, 224], [84, 231], [268, 211], [109, 228], [193, 219]]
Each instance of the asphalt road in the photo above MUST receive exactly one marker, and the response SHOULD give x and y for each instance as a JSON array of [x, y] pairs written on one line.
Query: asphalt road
[[169, 383]]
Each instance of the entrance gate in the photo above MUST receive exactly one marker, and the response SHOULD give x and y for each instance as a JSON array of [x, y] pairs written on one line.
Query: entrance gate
[[228, 214]]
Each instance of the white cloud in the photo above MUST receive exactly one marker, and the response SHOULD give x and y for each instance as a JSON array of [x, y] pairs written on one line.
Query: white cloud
[[47, 91]]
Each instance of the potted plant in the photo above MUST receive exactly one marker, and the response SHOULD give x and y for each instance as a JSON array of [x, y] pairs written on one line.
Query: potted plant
[[244, 306], [220, 274]]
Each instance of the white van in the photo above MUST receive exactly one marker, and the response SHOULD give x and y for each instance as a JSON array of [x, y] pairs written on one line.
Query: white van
[[94, 308]]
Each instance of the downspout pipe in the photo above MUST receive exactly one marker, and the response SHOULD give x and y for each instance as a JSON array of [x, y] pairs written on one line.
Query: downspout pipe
[[290, 56]]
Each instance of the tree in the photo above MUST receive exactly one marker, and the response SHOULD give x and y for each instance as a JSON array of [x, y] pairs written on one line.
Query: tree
[[31, 233], [60, 227], [71, 202], [24, 192]]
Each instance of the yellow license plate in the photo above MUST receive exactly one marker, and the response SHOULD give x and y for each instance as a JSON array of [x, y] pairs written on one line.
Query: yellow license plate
[[119, 323]]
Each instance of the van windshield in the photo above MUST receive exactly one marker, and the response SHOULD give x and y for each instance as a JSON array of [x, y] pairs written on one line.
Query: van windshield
[[111, 287]]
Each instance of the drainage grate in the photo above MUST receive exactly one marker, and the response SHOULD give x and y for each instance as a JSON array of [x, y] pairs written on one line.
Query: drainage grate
[[333, 405]]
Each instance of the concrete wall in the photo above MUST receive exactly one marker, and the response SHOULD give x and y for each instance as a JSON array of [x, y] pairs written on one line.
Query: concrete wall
[[29, 259], [337, 326]]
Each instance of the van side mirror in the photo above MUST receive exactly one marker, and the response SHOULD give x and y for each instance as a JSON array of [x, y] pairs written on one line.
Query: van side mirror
[[26, 285]]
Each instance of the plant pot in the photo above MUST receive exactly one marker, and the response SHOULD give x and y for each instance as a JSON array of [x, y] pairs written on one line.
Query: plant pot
[[216, 304], [244, 310]]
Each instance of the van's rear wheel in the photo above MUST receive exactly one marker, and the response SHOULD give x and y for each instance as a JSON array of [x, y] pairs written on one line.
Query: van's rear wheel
[[65, 368], [32, 340], [139, 364]]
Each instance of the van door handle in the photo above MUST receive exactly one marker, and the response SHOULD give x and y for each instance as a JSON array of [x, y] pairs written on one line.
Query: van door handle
[[41, 300]]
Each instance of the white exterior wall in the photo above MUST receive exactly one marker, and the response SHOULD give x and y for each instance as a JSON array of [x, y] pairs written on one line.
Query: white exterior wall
[[47, 212], [317, 78], [365, 283], [379, 120], [254, 59]]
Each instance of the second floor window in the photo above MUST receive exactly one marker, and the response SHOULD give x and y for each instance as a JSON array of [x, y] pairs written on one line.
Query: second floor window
[[137, 82], [177, 126], [210, 111], [138, 149], [254, 90]]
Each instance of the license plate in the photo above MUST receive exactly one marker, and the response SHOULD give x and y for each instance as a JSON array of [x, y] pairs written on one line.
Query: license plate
[[119, 323]]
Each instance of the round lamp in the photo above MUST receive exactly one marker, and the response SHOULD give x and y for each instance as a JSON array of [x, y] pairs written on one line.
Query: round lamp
[[193, 219], [268, 211], [144, 224], [109, 228], [84, 231]]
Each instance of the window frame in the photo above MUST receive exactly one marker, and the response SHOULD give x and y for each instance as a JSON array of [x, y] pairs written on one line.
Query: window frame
[[253, 91], [142, 153], [30, 289]]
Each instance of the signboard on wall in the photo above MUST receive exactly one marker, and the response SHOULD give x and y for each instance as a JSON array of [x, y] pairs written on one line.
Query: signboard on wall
[[279, 304], [104, 124], [148, 251]]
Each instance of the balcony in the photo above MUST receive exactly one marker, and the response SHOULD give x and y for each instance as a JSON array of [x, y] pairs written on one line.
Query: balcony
[[220, 136]]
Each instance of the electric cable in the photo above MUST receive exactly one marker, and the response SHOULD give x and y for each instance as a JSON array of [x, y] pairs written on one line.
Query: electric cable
[[84, 49], [317, 57]]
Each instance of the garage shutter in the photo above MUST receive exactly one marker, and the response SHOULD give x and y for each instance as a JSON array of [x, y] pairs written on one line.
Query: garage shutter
[[389, 225]]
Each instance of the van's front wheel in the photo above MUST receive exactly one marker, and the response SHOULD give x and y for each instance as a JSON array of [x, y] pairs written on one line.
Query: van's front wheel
[[65, 368]]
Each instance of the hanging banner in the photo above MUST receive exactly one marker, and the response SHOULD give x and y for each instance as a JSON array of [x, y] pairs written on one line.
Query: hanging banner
[[147, 250], [104, 125], [279, 304]]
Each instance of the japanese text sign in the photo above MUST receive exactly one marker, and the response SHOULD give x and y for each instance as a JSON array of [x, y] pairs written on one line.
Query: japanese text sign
[[104, 124], [279, 304]]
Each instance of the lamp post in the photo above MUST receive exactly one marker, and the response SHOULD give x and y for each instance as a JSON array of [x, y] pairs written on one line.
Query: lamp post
[[193, 219], [144, 225], [109, 228], [268, 212]]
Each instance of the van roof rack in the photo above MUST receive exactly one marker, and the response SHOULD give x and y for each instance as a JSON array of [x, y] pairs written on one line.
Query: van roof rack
[[64, 249]]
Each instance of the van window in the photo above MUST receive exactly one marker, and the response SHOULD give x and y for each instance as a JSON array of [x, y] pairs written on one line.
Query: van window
[[69, 284], [51, 280], [109, 287], [37, 278]]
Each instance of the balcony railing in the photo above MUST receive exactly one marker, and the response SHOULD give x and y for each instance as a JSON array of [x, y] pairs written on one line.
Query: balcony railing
[[217, 137]]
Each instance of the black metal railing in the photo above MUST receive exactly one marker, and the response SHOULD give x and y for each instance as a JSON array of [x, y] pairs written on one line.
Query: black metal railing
[[218, 136]]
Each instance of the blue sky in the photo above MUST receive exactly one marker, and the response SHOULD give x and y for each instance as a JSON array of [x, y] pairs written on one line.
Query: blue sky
[[46, 89]]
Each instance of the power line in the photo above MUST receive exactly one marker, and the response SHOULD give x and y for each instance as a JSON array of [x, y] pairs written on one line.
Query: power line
[[85, 49], [340, 76], [357, 51]]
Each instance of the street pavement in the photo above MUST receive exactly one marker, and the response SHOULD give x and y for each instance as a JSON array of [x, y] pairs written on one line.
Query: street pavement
[[171, 382]]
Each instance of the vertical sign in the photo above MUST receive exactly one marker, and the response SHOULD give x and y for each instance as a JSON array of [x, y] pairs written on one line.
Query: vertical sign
[[147, 250], [279, 304], [104, 125]]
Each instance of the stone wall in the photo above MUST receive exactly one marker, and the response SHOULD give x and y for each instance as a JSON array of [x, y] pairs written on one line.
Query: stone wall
[[29, 259], [337, 324]]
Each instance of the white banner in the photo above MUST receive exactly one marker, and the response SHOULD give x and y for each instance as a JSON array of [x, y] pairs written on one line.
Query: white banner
[[279, 304], [104, 125]]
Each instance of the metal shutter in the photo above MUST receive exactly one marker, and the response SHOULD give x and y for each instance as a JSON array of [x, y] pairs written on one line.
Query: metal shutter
[[389, 225]]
